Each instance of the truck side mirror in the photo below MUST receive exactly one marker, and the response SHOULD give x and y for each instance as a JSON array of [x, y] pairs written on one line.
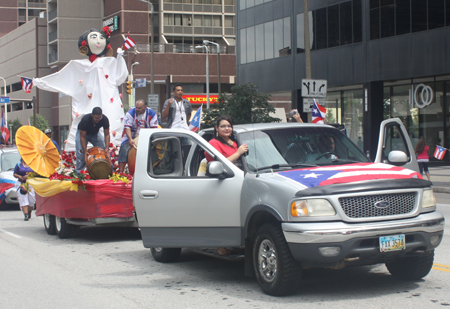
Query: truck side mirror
[[397, 157], [215, 170]]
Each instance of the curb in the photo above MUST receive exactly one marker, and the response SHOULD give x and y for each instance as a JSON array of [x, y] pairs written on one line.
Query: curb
[[441, 190]]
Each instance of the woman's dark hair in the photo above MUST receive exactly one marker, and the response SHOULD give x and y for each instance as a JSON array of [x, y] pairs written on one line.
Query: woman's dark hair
[[83, 46], [420, 145], [216, 134]]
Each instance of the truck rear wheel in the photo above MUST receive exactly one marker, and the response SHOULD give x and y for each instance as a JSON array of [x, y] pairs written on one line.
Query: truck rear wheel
[[411, 268], [63, 229], [166, 255], [275, 268], [50, 224]]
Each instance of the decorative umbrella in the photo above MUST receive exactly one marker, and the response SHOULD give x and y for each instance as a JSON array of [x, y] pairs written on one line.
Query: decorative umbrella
[[37, 150]]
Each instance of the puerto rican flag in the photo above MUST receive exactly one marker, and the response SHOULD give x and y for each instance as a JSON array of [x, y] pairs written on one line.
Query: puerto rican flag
[[6, 185], [195, 123], [328, 175], [4, 128], [27, 84], [318, 113], [439, 152], [128, 43]]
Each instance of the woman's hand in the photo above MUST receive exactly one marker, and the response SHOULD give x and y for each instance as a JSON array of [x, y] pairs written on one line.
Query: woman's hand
[[242, 149]]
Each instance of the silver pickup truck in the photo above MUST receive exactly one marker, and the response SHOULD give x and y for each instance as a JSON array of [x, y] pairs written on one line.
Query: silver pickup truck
[[303, 196]]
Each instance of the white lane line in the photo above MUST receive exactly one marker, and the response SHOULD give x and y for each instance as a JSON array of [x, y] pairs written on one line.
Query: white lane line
[[10, 234]]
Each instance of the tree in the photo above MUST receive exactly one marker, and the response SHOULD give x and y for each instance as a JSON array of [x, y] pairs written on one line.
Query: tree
[[41, 122], [15, 126], [245, 104]]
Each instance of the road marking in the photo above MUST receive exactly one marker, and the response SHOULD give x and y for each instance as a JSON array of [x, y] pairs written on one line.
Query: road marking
[[442, 267], [10, 234]]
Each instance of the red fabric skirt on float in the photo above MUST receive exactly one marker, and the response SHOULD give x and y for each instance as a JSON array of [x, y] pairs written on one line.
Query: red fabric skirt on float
[[102, 199]]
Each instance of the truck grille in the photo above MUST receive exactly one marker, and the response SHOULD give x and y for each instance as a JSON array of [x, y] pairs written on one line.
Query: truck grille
[[364, 206]]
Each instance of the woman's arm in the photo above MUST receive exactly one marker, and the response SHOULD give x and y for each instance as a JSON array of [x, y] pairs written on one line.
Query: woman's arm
[[241, 150]]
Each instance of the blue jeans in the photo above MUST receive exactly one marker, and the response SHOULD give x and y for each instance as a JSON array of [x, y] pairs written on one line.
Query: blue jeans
[[95, 139]]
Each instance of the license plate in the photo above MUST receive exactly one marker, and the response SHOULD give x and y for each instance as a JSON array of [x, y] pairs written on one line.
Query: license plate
[[392, 243]]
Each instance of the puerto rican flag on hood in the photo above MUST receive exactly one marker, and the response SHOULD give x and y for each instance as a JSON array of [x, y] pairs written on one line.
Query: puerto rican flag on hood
[[328, 175]]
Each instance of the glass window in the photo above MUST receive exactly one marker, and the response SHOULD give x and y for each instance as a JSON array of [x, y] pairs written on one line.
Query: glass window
[[9, 160], [250, 3], [243, 45], [229, 21], [251, 44], [333, 106], [345, 22], [357, 21], [386, 103], [353, 114], [374, 4], [419, 15], [258, 2], [242, 4], [374, 23], [333, 25], [259, 34], [447, 12], [287, 36], [177, 19], [436, 10], [207, 21], [301, 32], [321, 28], [217, 21], [402, 16], [387, 19], [400, 108], [197, 20], [278, 34], [268, 40]]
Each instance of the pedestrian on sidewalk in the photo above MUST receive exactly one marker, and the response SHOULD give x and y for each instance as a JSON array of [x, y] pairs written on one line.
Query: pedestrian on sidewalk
[[421, 152]]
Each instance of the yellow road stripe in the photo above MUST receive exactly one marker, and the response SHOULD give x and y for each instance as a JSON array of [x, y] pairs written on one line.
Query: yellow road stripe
[[446, 266], [441, 269]]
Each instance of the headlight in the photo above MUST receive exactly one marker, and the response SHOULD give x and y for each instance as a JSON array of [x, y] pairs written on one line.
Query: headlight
[[312, 208], [428, 199]]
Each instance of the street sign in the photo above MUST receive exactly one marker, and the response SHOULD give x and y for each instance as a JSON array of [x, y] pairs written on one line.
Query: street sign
[[153, 102], [140, 83], [314, 88], [308, 104], [4, 99]]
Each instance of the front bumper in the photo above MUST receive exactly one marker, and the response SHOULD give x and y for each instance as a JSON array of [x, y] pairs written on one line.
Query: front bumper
[[359, 243], [11, 197]]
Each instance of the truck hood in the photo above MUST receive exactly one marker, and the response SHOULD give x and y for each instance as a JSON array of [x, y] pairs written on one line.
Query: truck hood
[[345, 174]]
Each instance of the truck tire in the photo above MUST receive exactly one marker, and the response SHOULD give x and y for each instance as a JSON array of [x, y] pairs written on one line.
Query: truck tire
[[166, 255], [50, 224], [275, 268], [63, 229], [411, 268]]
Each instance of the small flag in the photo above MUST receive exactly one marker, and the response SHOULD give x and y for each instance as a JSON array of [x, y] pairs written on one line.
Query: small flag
[[128, 43], [195, 123], [4, 128], [439, 152], [318, 113], [27, 84]]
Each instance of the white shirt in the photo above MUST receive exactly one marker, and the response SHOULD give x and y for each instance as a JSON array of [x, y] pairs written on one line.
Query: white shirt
[[179, 121], [141, 123]]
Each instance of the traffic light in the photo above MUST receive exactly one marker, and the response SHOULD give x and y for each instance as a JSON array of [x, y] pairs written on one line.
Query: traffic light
[[129, 86]]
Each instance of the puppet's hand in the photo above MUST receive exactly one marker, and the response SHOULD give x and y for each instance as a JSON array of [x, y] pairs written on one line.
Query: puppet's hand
[[120, 51]]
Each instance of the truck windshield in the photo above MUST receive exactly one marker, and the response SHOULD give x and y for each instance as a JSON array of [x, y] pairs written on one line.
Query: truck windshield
[[9, 160], [291, 147]]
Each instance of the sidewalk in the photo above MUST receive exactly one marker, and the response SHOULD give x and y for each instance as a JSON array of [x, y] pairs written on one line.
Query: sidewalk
[[440, 177]]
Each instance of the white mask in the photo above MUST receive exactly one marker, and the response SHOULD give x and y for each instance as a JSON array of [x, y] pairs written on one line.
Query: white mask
[[97, 42]]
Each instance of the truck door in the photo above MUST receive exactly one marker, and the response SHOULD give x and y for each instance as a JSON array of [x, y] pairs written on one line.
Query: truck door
[[393, 136], [176, 208]]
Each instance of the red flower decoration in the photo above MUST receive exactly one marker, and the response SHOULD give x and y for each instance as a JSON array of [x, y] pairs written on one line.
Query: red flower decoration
[[112, 100], [108, 46], [107, 31], [83, 43], [106, 76]]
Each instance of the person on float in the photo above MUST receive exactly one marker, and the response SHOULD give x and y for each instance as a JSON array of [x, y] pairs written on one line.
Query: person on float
[[91, 83], [25, 194], [225, 142], [89, 131], [137, 118], [48, 132]]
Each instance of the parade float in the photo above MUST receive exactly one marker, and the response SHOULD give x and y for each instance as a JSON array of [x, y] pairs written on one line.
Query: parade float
[[99, 196]]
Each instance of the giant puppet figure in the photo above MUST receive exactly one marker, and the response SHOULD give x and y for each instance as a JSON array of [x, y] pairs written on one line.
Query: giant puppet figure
[[91, 82]]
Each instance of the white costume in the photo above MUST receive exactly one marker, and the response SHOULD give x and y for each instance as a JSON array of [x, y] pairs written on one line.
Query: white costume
[[91, 84]]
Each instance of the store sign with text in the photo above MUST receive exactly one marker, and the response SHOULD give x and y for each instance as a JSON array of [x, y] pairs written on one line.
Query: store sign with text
[[200, 99]]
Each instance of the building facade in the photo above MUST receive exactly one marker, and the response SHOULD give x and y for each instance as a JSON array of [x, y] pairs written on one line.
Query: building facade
[[381, 59]]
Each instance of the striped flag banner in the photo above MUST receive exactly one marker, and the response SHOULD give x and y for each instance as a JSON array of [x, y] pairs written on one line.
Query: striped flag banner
[[440, 152], [129, 42]]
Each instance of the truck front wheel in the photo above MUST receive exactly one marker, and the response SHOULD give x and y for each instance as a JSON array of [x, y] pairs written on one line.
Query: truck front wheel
[[411, 268], [275, 268], [166, 255], [63, 229], [50, 224]]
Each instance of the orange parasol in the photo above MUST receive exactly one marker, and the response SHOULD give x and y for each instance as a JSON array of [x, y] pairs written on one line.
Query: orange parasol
[[37, 150]]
